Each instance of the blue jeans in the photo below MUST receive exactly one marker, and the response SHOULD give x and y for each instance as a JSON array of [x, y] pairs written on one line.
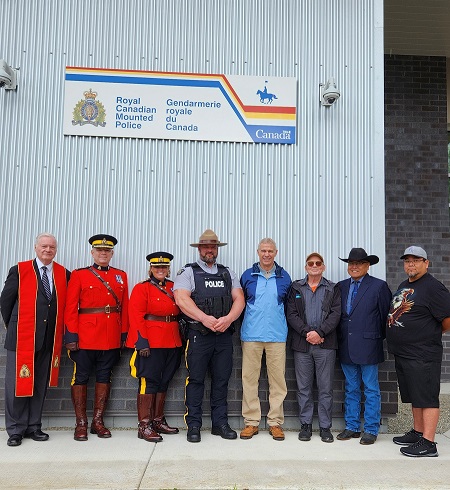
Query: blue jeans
[[368, 375]]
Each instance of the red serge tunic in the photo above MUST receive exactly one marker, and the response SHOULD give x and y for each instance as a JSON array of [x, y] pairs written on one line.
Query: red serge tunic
[[96, 331], [147, 298]]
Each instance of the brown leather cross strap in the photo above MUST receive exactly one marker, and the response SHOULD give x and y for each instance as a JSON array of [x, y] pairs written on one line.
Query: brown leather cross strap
[[108, 287], [104, 309], [167, 319]]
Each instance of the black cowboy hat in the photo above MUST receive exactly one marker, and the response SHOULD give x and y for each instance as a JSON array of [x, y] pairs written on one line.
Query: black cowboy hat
[[360, 254]]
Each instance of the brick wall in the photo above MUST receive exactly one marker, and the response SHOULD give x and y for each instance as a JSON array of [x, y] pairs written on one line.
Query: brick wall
[[416, 168]]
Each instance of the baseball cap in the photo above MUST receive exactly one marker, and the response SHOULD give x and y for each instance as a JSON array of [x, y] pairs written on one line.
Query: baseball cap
[[416, 251]]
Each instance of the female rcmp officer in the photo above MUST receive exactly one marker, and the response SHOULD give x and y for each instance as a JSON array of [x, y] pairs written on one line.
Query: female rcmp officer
[[156, 339]]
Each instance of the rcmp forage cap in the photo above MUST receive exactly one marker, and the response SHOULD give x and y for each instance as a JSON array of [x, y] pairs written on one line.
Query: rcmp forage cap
[[160, 258], [102, 241], [416, 251], [208, 237], [360, 254]]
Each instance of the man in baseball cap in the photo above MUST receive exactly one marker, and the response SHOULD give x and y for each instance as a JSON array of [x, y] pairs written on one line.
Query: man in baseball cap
[[419, 313]]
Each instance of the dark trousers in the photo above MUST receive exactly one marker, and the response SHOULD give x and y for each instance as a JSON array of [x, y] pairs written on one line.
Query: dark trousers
[[99, 361], [156, 371], [23, 414], [203, 352]]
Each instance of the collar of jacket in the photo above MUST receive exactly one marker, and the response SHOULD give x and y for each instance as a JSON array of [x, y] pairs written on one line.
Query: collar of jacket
[[302, 282], [257, 270]]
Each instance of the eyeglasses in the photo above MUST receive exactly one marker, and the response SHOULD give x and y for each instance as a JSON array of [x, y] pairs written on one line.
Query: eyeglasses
[[413, 261], [312, 263]]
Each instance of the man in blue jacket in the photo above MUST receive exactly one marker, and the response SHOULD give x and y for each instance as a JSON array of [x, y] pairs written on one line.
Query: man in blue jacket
[[264, 329], [365, 306]]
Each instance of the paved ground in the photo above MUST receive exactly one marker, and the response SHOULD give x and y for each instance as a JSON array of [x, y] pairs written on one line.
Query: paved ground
[[125, 462]]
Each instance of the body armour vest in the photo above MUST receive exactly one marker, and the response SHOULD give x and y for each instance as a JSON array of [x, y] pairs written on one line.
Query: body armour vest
[[212, 292]]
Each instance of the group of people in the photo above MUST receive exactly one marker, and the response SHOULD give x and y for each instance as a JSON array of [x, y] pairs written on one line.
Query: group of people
[[45, 306]]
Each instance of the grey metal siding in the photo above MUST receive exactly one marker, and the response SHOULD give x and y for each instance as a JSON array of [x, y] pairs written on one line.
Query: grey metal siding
[[324, 193]]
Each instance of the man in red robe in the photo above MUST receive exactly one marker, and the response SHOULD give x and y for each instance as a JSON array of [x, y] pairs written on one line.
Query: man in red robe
[[32, 305]]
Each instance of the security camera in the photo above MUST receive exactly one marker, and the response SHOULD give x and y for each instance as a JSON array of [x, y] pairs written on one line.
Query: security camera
[[329, 94], [8, 76]]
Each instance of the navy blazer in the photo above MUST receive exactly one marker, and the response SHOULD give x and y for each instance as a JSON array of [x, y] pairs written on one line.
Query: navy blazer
[[361, 334]]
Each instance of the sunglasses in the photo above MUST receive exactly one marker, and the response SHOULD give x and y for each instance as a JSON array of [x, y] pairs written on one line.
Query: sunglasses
[[311, 263]]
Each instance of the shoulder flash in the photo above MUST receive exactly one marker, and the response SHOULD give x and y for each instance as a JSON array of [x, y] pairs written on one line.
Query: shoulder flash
[[181, 271]]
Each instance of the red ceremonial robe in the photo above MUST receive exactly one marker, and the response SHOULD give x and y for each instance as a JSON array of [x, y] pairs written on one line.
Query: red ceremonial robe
[[26, 326]]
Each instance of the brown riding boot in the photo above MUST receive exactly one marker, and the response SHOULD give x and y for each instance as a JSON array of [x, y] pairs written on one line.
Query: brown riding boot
[[101, 397], [159, 421], [79, 393], [145, 410]]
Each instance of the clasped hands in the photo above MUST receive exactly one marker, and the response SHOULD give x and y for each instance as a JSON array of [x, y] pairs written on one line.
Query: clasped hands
[[314, 338], [216, 324]]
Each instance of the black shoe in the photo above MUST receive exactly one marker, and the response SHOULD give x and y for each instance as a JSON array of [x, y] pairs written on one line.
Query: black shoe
[[367, 439], [305, 432], [421, 448], [224, 431], [37, 435], [14, 440], [326, 435], [193, 434], [410, 437], [348, 434]]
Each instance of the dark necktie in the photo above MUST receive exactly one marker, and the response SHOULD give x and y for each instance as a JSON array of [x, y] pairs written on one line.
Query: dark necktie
[[354, 293], [46, 283]]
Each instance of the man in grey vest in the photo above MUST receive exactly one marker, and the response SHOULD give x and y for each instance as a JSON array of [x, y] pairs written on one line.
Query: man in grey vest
[[211, 299]]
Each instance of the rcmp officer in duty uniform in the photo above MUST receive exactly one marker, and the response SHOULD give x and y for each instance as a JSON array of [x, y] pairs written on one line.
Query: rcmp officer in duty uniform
[[96, 326], [211, 299]]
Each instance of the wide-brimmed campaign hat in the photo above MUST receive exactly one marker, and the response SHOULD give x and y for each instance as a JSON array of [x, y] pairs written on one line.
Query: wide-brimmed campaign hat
[[208, 237], [360, 254]]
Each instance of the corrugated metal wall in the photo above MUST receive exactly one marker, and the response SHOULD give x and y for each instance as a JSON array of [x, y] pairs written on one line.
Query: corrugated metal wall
[[325, 193]]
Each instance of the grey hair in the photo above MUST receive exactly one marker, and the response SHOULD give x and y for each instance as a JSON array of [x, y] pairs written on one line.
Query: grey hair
[[45, 235], [268, 241]]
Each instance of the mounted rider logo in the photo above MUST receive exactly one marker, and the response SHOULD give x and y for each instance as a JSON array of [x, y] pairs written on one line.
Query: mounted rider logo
[[264, 96]]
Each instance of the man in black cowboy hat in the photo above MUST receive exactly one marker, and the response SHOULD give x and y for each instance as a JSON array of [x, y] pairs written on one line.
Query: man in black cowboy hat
[[364, 309], [211, 299]]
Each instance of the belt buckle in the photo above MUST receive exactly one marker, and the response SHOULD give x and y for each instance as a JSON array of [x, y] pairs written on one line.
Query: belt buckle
[[107, 309], [168, 318]]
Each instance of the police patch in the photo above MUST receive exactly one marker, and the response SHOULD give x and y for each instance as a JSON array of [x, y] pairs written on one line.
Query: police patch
[[181, 271]]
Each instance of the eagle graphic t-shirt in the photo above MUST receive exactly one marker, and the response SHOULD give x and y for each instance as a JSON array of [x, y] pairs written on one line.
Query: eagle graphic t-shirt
[[414, 327]]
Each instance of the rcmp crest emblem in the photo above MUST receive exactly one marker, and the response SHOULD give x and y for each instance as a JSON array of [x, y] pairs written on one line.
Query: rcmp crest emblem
[[89, 111], [24, 371]]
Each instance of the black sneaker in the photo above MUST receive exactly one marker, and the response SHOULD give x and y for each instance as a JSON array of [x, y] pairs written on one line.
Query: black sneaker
[[423, 447], [410, 437], [305, 432]]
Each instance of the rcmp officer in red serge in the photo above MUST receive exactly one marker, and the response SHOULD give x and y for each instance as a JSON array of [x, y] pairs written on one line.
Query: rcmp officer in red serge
[[211, 299], [96, 326], [32, 306], [155, 336]]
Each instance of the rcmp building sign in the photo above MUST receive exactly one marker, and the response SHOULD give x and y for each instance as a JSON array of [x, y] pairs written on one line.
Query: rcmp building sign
[[183, 106]]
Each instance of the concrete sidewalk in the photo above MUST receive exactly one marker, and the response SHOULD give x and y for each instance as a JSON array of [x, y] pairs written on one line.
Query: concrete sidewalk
[[126, 462]]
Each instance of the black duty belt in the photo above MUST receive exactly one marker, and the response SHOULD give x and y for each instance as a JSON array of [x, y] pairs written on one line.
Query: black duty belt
[[167, 319], [105, 309]]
